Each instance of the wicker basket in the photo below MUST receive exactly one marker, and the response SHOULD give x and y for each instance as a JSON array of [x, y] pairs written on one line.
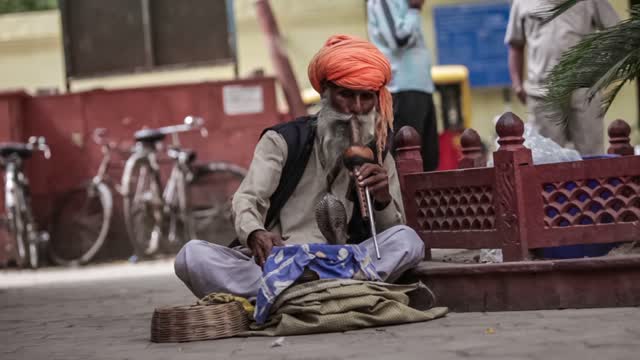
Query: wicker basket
[[198, 322]]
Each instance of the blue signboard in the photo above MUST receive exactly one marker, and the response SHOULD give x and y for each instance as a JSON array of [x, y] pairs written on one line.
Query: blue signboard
[[473, 35]]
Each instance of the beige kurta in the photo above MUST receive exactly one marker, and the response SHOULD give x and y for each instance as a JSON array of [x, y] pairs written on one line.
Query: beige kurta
[[296, 222], [546, 43]]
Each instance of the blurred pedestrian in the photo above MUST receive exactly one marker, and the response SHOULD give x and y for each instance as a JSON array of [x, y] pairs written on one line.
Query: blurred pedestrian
[[544, 45], [395, 27]]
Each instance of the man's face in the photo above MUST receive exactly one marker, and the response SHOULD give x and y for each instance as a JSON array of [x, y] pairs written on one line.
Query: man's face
[[341, 106], [353, 102]]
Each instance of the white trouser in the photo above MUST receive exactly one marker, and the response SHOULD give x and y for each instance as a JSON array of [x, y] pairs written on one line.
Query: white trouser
[[584, 124], [205, 267]]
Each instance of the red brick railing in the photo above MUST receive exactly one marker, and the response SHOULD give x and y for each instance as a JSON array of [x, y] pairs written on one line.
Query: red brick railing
[[518, 206]]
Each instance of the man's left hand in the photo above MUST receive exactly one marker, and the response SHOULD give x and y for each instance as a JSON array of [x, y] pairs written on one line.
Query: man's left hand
[[376, 178]]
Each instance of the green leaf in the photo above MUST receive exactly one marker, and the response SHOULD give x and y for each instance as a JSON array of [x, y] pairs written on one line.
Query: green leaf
[[13, 6], [601, 62]]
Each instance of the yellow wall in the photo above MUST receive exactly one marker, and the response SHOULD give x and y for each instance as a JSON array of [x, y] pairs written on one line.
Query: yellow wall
[[31, 54], [30, 51]]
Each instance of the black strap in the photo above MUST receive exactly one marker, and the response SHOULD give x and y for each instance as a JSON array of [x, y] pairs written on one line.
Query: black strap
[[387, 14], [299, 135]]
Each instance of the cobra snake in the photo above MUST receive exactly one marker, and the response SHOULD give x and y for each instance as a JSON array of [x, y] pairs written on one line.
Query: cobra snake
[[331, 217]]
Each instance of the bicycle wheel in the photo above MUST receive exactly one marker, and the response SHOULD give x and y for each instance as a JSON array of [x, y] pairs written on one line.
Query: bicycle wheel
[[210, 196], [80, 224], [34, 249], [142, 206], [18, 231], [24, 230], [179, 225]]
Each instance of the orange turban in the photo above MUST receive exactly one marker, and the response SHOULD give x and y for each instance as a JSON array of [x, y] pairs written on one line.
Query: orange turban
[[356, 64]]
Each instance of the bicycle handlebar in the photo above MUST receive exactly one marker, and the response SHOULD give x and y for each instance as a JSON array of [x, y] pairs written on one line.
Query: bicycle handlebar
[[100, 138], [40, 143], [190, 123]]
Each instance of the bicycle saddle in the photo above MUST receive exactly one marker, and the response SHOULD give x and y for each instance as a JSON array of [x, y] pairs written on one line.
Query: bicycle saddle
[[149, 135], [20, 149]]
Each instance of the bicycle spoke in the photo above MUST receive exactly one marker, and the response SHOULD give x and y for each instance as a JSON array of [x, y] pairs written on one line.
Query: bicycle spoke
[[79, 228]]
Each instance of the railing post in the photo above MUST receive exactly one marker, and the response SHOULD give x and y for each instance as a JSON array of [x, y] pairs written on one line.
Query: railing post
[[619, 141], [509, 187], [408, 160], [408, 156], [471, 145]]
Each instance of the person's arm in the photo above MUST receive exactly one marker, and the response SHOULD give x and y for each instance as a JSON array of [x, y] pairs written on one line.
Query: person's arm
[[252, 199], [398, 31], [604, 14], [515, 40], [516, 67]]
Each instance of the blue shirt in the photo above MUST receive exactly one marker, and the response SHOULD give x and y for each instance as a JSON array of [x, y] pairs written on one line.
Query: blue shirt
[[396, 30], [286, 264]]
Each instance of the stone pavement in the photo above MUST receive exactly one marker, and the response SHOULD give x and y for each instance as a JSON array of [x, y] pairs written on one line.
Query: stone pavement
[[104, 312]]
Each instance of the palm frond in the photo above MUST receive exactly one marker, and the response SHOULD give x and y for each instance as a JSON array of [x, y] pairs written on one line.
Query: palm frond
[[602, 62]]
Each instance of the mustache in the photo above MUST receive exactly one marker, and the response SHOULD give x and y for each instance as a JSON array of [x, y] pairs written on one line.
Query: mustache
[[345, 117], [340, 116], [329, 112]]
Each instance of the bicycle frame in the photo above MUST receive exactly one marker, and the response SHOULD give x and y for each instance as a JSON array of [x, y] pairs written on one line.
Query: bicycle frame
[[107, 149], [104, 165], [175, 194], [14, 199], [18, 203], [167, 203], [11, 181]]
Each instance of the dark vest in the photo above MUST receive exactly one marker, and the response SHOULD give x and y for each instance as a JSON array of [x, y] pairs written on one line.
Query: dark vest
[[300, 135]]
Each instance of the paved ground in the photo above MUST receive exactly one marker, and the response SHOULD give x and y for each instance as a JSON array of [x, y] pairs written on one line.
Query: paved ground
[[104, 313]]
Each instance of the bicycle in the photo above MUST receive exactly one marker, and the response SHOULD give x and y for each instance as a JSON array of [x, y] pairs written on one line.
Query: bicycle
[[22, 226], [194, 204], [82, 217]]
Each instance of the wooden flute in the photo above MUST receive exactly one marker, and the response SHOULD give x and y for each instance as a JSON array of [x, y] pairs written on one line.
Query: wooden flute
[[354, 157]]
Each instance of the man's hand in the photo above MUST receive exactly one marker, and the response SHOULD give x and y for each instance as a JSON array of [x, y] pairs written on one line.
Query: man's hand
[[261, 242], [376, 178], [521, 94], [416, 4]]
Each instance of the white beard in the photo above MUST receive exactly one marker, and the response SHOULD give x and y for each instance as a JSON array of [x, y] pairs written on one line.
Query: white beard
[[334, 132]]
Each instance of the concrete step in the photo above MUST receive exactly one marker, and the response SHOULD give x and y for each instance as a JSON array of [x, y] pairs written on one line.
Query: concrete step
[[612, 281]]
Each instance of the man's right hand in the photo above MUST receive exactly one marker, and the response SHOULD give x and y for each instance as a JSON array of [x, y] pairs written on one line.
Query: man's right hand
[[521, 94], [416, 4], [261, 242]]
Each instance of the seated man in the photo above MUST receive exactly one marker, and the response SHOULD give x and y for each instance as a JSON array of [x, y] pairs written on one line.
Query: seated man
[[297, 163]]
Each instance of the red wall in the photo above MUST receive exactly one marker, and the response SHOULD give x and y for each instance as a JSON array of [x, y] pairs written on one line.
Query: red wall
[[231, 137]]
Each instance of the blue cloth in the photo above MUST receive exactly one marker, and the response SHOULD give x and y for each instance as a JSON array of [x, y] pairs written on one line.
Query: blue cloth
[[286, 263], [396, 30]]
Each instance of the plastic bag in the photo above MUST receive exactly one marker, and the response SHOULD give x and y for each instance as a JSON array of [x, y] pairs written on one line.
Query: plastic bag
[[490, 256], [544, 150]]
